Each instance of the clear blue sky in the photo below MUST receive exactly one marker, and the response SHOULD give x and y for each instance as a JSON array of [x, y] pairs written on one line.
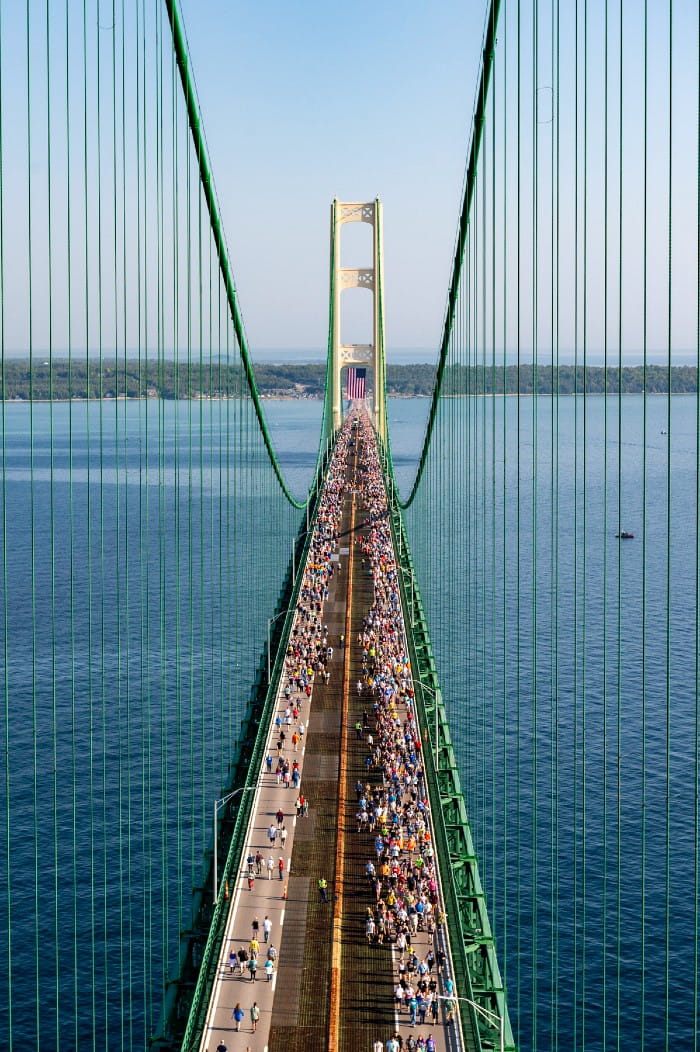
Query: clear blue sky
[[303, 102], [306, 101]]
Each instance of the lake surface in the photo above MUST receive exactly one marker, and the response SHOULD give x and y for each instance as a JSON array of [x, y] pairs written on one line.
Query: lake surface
[[578, 752]]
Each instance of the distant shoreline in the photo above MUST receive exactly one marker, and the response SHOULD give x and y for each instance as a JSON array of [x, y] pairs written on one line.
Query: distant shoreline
[[112, 380]]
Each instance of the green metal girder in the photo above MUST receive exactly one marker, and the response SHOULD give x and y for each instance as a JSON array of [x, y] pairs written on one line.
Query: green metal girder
[[476, 972], [188, 993]]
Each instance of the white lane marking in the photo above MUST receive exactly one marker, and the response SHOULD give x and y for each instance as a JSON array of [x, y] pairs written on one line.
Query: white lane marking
[[274, 982], [282, 918], [211, 1015]]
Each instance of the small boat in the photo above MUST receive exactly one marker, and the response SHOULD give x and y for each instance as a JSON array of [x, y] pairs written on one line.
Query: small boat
[[625, 535]]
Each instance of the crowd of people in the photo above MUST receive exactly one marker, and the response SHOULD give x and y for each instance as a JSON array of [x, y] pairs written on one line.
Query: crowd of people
[[392, 804], [403, 907]]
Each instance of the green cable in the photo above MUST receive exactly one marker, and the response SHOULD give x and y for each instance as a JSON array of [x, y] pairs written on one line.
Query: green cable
[[72, 558], [554, 542], [127, 820], [54, 862], [605, 878], [7, 773], [618, 729], [120, 575], [534, 410], [667, 758], [584, 527], [495, 919], [89, 502], [504, 484], [487, 56], [696, 816], [643, 953], [576, 996], [518, 633], [32, 538], [102, 545]]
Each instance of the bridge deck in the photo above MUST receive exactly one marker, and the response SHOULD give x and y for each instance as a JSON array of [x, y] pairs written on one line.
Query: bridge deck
[[319, 999]]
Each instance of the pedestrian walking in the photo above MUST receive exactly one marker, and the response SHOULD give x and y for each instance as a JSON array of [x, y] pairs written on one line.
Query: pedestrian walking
[[237, 1014], [280, 818], [252, 968], [269, 969], [267, 928], [272, 834], [283, 836], [254, 1015], [323, 889], [280, 868], [270, 867]]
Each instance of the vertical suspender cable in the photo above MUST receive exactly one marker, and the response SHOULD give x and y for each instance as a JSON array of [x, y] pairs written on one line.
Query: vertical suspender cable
[[669, 348], [32, 539], [618, 676], [645, 206], [7, 817], [533, 545], [606, 436]]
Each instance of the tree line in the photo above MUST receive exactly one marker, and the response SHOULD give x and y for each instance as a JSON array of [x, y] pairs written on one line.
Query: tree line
[[62, 379]]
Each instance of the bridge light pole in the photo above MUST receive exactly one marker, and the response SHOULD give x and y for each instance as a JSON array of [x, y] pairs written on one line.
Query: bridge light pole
[[493, 1018], [217, 804]]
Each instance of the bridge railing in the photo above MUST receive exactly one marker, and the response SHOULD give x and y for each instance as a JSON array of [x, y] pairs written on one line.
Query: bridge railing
[[188, 994], [476, 972]]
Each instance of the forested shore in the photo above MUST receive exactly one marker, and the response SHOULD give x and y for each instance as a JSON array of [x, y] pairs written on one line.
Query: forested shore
[[89, 378]]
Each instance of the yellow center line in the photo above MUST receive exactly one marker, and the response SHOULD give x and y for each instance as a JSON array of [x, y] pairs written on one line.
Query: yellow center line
[[334, 1020]]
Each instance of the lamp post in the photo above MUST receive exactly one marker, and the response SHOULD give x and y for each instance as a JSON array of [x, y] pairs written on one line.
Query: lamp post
[[270, 622], [496, 1021], [217, 804]]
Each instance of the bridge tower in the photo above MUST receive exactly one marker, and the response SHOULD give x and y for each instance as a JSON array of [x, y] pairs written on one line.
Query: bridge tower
[[370, 354]]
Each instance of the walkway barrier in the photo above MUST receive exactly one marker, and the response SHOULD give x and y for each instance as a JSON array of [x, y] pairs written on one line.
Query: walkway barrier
[[187, 995], [476, 972]]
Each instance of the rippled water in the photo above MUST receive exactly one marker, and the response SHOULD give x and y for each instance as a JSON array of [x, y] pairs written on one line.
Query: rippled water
[[562, 675]]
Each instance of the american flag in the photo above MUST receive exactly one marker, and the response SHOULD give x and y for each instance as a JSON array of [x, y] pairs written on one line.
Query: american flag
[[356, 383]]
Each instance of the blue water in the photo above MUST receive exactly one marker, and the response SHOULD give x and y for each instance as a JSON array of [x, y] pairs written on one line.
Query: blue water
[[569, 663], [127, 674]]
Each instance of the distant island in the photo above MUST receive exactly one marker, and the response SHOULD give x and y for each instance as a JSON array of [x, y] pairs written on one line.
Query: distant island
[[89, 378]]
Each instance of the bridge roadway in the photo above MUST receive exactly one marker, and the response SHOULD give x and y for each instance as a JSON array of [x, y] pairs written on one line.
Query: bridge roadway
[[331, 989]]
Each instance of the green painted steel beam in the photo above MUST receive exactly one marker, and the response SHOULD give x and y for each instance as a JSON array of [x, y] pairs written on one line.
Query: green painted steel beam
[[475, 964]]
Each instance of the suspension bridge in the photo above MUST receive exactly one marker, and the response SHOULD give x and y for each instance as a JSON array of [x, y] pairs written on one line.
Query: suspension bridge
[[421, 713]]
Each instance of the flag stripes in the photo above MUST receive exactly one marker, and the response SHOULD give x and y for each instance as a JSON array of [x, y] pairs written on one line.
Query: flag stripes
[[356, 383]]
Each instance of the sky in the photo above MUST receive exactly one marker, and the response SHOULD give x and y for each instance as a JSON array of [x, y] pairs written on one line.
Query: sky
[[306, 101], [586, 208]]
